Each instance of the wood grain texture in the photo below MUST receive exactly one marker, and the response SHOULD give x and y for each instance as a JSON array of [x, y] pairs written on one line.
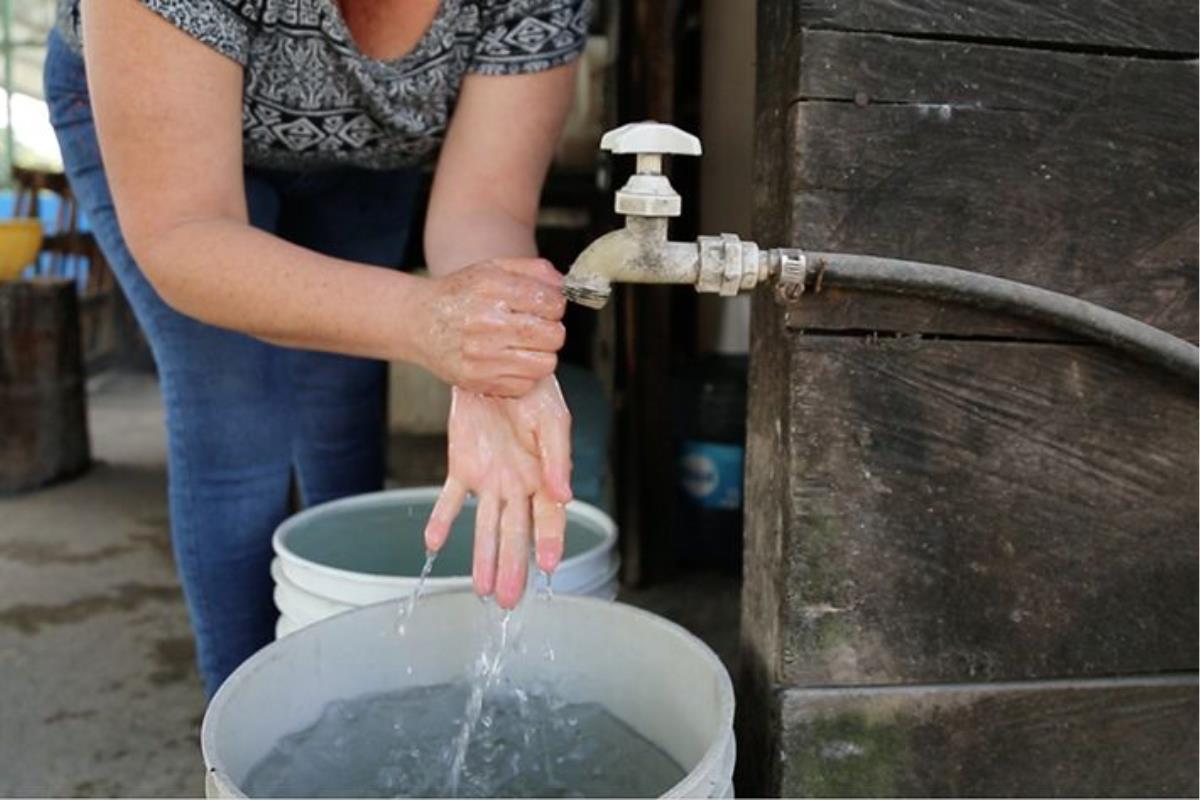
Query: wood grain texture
[[836, 310], [928, 515], [970, 511], [766, 450], [1117, 738], [763, 586], [1153, 25], [1075, 172]]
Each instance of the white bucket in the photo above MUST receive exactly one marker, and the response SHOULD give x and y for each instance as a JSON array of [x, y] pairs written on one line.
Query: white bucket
[[369, 548], [653, 674]]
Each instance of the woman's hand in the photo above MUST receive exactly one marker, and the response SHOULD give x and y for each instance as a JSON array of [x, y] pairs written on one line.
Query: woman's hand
[[494, 327], [542, 424], [514, 455]]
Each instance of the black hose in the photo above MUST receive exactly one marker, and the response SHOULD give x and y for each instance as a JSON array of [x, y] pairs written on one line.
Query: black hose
[[987, 291]]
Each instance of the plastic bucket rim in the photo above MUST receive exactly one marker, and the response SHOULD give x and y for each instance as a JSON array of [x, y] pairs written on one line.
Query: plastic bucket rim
[[711, 757], [283, 581], [603, 522], [300, 617]]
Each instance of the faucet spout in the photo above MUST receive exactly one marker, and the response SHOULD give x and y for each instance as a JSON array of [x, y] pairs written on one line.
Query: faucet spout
[[636, 253], [589, 281]]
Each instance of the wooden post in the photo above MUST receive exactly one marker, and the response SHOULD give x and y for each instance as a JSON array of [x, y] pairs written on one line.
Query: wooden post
[[43, 419], [971, 561]]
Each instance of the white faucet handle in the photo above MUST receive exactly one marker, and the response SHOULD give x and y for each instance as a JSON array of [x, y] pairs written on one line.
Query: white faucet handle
[[650, 138]]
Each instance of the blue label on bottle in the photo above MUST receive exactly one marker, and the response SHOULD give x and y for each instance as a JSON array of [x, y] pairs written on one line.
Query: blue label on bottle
[[711, 474]]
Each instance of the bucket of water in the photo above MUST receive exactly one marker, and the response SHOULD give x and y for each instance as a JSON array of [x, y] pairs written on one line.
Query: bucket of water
[[649, 677]]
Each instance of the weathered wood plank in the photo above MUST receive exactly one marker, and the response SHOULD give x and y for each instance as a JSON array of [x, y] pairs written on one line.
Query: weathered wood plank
[[1164, 25], [834, 65], [970, 511], [1074, 172], [837, 310], [1116, 738]]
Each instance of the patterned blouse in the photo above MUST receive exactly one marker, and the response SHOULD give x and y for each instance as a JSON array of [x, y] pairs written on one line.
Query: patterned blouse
[[312, 99]]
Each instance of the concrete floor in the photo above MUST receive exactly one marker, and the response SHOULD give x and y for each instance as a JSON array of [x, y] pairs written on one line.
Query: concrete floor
[[100, 695]]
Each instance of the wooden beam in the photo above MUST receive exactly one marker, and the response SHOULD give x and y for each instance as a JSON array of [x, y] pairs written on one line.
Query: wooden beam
[[1128, 737], [975, 511], [1070, 171], [1150, 25]]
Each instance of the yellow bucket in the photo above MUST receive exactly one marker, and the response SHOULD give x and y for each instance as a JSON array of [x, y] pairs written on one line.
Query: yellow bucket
[[20, 240]]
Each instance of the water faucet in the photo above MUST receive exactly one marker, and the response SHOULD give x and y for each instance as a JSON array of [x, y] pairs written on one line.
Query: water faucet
[[640, 252]]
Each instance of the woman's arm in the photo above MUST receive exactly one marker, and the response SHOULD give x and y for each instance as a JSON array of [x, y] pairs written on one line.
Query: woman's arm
[[489, 177], [514, 454], [168, 115]]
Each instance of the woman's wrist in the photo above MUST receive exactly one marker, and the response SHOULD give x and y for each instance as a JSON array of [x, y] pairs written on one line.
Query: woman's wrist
[[404, 319]]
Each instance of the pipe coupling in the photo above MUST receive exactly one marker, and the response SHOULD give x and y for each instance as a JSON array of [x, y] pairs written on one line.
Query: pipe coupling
[[727, 265]]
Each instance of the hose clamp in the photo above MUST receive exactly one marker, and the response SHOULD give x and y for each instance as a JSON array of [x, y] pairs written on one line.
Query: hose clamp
[[793, 268]]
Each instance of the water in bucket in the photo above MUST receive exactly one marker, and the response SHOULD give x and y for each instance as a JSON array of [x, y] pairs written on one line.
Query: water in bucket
[[394, 744], [480, 737], [653, 676]]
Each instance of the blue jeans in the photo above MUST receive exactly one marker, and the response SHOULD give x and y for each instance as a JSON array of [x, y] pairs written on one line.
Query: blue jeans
[[242, 415]]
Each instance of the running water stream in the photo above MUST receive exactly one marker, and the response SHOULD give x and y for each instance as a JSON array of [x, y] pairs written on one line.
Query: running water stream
[[484, 678], [407, 609]]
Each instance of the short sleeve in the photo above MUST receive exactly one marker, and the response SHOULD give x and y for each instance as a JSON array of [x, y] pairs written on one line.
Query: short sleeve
[[226, 26], [520, 36]]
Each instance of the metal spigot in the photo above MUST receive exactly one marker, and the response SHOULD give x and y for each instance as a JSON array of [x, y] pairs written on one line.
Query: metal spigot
[[640, 252]]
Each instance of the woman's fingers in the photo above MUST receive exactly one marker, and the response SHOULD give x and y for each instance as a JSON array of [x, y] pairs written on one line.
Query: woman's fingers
[[520, 450], [445, 511], [530, 296], [499, 330], [554, 444], [537, 268], [513, 567], [527, 332], [487, 518], [528, 364], [549, 529]]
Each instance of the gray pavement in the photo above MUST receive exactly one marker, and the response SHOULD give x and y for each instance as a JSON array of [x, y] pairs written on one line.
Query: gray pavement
[[99, 693]]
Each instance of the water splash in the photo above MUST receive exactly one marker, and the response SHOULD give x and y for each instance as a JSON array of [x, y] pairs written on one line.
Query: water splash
[[408, 607], [486, 674], [546, 590], [545, 593]]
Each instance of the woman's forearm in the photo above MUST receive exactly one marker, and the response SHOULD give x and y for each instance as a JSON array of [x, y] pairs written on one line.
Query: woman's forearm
[[469, 237], [228, 274]]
